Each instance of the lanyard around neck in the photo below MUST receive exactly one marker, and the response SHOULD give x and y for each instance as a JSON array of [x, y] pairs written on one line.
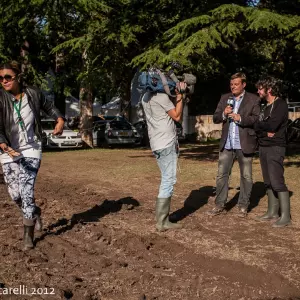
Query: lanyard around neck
[[18, 110]]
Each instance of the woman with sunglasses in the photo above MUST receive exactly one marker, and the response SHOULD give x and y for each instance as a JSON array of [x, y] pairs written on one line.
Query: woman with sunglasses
[[271, 132], [20, 142]]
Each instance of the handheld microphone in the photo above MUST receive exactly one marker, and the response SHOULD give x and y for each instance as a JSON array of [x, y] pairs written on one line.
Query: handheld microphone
[[230, 102]]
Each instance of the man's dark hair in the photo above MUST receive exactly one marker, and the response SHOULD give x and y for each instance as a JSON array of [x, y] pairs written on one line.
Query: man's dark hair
[[271, 83]]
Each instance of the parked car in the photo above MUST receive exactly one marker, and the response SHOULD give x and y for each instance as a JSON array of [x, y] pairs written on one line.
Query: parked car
[[179, 131], [141, 127], [113, 130], [143, 138], [69, 138], [293, 131]]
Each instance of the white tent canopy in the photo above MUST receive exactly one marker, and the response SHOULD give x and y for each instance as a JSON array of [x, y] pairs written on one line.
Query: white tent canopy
[[72, 107], [114, 103], [111, 108]]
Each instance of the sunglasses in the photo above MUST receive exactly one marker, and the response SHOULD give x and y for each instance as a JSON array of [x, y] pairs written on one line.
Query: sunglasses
[[7, 77]]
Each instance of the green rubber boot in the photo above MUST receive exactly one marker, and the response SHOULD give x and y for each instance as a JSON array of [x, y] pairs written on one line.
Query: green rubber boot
[[273, 207], [28, 237], [285, 218], [162, 215], [38, 219]]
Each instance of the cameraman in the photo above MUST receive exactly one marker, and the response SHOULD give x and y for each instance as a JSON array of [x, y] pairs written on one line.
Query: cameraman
[[160, 114]]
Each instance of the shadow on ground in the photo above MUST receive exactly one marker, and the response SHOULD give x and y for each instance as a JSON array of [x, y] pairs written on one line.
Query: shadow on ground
[[201, 152], [257, 193], [193, 202], [93, 214], [199, 198]]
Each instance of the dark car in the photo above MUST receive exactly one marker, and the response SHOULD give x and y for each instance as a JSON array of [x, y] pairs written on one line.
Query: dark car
[[113, 130], [179, 131], [143, 140], [293, 131]]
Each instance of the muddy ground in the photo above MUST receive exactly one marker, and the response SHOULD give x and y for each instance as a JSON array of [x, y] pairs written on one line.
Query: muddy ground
[[99, 239]]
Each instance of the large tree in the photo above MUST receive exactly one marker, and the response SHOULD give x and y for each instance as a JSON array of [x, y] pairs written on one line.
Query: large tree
[[231, 38], [94, 46], [116, 33]]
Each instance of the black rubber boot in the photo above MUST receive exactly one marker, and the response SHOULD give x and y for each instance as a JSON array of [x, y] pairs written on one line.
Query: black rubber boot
[[162, 215], [284, 202], [273, 208], [28, 237], [38, 219]]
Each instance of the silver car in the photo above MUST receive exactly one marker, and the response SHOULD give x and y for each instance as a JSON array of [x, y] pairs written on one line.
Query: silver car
[[69, 138]]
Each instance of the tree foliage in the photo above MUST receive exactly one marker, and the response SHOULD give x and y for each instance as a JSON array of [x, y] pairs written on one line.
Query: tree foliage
[[98, 44], [291, 7], [231, 38]]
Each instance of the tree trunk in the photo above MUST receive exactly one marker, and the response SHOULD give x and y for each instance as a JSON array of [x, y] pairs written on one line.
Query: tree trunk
[[125, 103], [185, 120], [86, 112], [86, 104], [24, 52], [59, 99]]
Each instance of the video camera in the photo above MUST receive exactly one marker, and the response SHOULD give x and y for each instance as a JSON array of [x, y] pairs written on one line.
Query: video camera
[[188, 78], [156, 80]]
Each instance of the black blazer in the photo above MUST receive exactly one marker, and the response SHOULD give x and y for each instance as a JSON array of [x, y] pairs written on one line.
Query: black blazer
[[37, 102], [249, 111]]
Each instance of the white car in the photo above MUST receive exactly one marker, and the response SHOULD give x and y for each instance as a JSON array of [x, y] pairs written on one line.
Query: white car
[[69, 138]]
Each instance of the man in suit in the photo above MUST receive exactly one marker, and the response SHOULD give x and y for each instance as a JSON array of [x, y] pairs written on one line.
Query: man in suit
[[238, 111]]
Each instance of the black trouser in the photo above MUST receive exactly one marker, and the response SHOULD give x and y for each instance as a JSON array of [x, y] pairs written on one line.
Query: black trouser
[[271, 161], [226, 159]]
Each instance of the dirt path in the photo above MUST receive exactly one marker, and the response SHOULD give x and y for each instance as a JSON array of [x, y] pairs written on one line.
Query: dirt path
[[99, 240]]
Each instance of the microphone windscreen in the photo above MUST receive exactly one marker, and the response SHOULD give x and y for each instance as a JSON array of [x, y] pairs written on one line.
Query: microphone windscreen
[[230, 101]]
